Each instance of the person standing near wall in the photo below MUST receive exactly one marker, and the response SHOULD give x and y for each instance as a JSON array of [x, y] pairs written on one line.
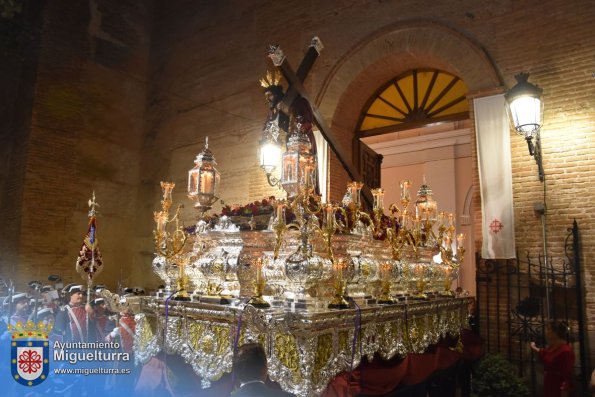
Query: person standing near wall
[[558, 361]]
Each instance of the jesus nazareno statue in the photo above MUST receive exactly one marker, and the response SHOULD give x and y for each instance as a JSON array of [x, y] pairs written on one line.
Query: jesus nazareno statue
[[300, 116], [276, 120]]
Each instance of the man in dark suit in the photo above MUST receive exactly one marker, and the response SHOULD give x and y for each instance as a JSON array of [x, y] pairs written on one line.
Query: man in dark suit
[[250, 366]]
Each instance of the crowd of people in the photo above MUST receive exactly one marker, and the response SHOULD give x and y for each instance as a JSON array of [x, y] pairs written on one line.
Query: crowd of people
[[76, 317], [73, 316]]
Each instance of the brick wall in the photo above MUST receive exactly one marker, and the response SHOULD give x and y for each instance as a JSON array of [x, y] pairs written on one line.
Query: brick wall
[[83, 132]]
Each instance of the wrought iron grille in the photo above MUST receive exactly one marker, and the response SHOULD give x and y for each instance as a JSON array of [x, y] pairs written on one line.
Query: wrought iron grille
[[511, 307]]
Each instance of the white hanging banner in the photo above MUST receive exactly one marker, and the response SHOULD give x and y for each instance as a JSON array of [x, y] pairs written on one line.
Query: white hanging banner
[[495, 177]]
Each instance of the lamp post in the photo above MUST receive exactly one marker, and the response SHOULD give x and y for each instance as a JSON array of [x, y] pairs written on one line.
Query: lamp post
[[526, 111]]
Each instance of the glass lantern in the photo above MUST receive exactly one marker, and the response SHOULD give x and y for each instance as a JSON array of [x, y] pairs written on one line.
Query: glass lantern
[[426, 208], [298, 165], [525, 105], [203, 180]]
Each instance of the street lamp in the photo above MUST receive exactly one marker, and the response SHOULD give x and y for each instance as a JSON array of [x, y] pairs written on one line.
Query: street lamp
[[526, 111]]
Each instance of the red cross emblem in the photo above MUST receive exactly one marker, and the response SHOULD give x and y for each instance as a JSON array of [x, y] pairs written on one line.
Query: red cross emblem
[[496, 226], [29, 361]]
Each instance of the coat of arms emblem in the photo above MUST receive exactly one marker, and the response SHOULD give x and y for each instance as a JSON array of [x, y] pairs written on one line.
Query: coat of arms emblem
[[29, 354]]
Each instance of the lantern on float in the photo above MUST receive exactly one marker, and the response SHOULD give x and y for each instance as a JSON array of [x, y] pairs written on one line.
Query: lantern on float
[[203, 181]]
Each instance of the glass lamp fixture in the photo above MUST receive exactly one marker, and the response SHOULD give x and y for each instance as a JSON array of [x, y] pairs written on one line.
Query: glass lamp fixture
[[526, 111], [203, 181], [270, 156], [298, 164], [525, 105], [426, 208]]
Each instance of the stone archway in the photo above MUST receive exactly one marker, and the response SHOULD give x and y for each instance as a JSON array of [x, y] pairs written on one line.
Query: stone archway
[[394, 50]]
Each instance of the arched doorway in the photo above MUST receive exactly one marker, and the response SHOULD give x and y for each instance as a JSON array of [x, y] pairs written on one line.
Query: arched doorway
[[419, 122]]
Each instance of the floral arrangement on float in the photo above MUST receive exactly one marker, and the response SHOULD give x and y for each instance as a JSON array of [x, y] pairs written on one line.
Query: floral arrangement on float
[[251, 216], [257, 216]]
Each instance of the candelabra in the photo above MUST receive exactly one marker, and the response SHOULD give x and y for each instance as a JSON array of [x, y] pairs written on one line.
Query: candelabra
[[451, 259], [170, 244], [414, 238], [402, 235], [330, 226], [354, 203]]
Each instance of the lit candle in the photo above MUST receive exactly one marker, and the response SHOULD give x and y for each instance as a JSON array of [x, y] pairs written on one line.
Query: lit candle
[[447, 241], [441, 218], [354, 189], [405, 195], [193, 188], [329, 215], [159, 219], [167, 189], [279, 211], [206, 182], [460, 240], [451, 220], [378, 199]]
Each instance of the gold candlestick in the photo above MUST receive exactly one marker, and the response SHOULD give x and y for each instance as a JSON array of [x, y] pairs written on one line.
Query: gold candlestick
[[420, 281], [279, 226], [405, 194], [447, 290], [259, 283], [385, 297], [182, 282], [378, 209], [170, 244], [340, 284]]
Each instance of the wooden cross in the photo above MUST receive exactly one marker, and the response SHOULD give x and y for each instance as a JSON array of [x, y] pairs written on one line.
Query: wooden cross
[[295, 87]]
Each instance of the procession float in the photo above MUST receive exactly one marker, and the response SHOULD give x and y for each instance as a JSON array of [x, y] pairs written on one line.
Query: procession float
[[322, 286]]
